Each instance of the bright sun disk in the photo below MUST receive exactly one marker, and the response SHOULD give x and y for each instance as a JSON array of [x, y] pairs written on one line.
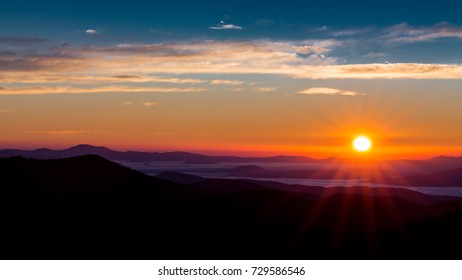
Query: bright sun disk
[[362, 144]]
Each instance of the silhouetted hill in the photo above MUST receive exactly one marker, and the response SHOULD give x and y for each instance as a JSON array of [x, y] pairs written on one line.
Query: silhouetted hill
[[329, 168], [446, 160], [90, 208], [80, 150], [447, 178], [180, 178], [249, 171], [426, 167]]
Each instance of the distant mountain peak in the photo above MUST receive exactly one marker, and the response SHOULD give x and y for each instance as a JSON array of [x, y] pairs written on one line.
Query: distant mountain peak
[[86, 146], [444, 158]]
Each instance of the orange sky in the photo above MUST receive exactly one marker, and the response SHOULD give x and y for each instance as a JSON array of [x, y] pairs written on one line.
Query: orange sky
[[414, 122]]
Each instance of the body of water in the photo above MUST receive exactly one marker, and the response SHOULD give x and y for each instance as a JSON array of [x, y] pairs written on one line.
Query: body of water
[[221, 170]]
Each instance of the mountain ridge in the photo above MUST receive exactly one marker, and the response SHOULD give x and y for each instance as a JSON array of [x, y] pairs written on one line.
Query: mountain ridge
[[83, 149], [87, 207]]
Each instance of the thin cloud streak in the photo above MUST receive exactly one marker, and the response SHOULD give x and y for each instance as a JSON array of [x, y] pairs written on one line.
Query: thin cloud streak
[[149, 104], [223, 26], [226, 82], [91, 31], [405, 33], [97, 78], [264, 89], [70, 90], [329, 91]]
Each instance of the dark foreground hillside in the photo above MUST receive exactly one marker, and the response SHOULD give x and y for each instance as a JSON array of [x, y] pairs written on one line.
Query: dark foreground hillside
[[90, 208]]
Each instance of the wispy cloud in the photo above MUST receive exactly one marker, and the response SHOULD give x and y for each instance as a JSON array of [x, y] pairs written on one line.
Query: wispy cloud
[[405, 33], [70, 77], [6, 110], [127, 103], [329, 91], [264, 89], [352, 32], [322, 28], [236, 89], [176, 80], [75, 90], [223, 25], [149, 104], [227, 82], [142, 68], [156, 79], [388, 71], [252, 89], [91, 31]]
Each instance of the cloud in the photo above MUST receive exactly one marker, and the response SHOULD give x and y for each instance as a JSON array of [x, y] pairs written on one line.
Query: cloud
[[309, 49], [352, 32], [91, 31], [75, 90], [157, 79], [97, 78], [6, 110], [56, 62], [133, 63], [226, 82], [222, 25], [200, 56], [387, 71], [138, 68], [404, 33], [255, 89], [176, 80], [127, 103], [322, 28], [329, 91], [264, 89], [149, 104]]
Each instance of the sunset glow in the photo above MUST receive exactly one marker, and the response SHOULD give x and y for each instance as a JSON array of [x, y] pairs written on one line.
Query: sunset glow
[[244, 84], [275, 130]]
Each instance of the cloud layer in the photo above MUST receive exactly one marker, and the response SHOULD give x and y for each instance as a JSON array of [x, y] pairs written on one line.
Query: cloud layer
[[329, 91], [404, 33], [148, 67], [122, 89]]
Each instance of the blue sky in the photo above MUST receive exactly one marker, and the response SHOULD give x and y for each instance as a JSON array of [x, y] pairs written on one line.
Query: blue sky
[[374, 24], [181, 14]]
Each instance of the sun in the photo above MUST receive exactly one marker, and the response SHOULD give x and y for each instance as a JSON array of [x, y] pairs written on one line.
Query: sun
[[362, 144]]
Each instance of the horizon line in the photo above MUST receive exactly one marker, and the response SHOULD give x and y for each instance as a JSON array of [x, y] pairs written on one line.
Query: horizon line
[[225, 153]]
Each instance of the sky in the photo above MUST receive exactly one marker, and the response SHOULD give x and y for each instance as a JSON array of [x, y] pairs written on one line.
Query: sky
[[233, 77]]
